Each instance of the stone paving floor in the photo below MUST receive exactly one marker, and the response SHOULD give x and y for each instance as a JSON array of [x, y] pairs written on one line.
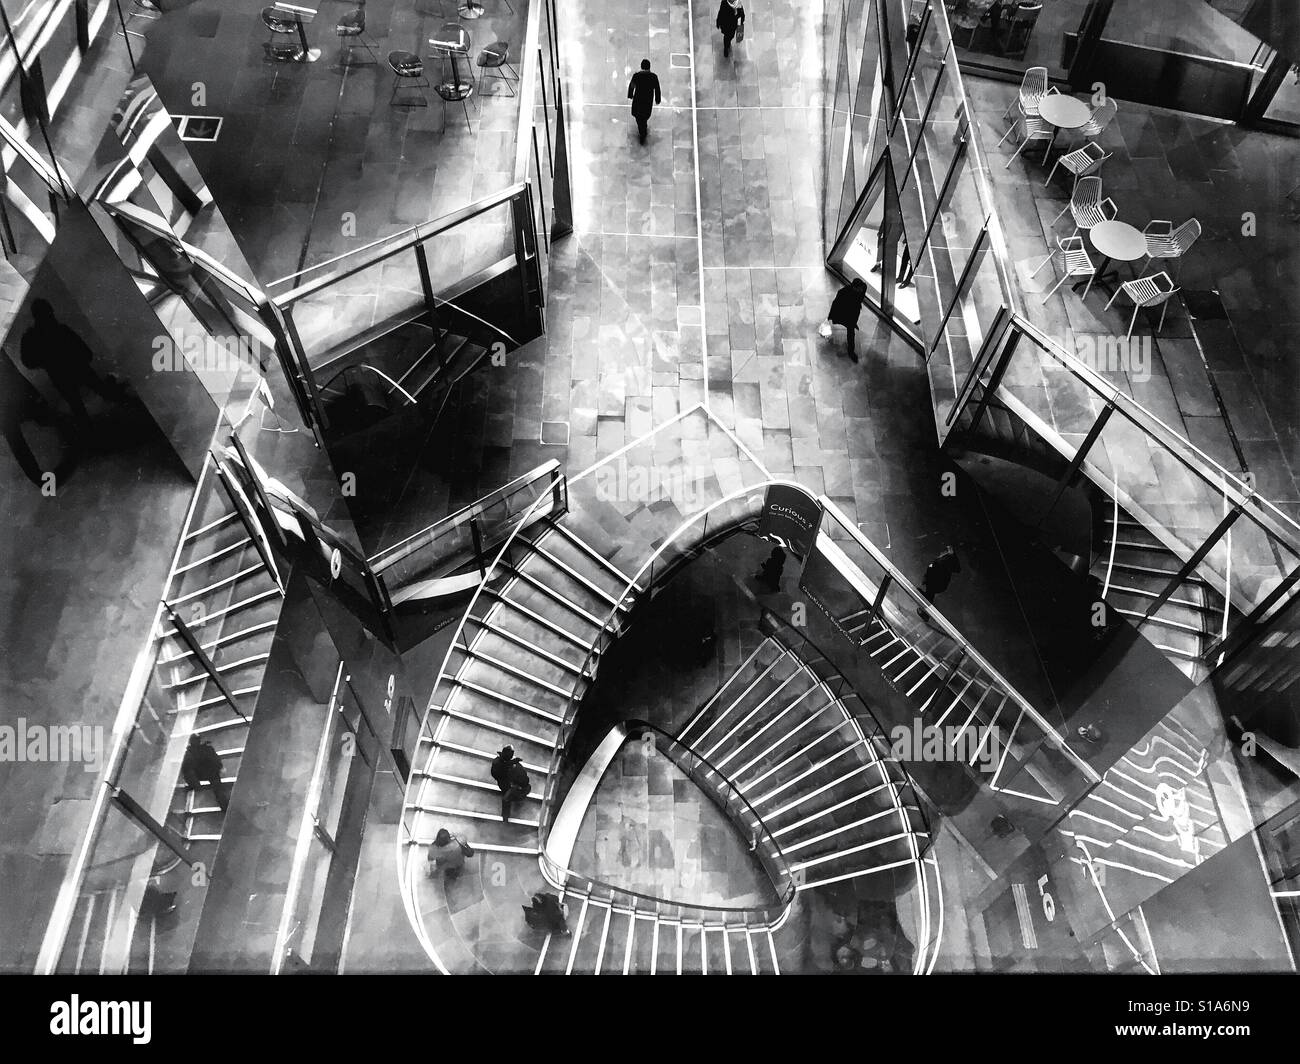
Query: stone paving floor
[[306, 147]]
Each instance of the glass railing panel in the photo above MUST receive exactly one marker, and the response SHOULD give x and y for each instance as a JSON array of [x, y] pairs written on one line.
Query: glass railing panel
[[1060, 401], [386, 291], [120, 881]]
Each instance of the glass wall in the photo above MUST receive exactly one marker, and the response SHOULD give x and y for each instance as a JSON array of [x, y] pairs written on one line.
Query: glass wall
[[926, 193]]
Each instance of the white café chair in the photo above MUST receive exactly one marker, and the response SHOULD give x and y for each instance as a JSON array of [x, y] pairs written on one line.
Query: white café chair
[[1033, 87], [1087, 206], [1166, 242], [1150, 291], [1074, 263], [1081, 162]]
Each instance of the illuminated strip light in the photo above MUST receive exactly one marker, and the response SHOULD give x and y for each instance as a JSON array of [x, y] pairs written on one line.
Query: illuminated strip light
[[1120, 828], [1094, 797], [1090, 865], [1021, 794], [1078, 837], [1177, 862], [1174, 751], [1025, 915], [1136, 871], [1154, 767], [1147, 750]]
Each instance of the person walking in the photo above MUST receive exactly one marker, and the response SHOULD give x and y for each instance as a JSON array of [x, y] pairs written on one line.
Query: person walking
[[938, 575], [769, 572], [50, 345], [447, 854], [643, 91], [845, 309], [202, 765], [731, 21], [511, 779]]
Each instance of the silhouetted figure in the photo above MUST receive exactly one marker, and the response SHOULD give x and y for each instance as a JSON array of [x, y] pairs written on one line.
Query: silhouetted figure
[[938, 575], [546, 914], [202, 765], [643, 91], [511, 779], [845, 309], [769, 572], [19, 404], [731, 16], [61, 352]]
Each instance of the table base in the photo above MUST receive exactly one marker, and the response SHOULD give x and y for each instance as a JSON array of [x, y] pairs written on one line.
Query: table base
[[456, 90], [469, 9]]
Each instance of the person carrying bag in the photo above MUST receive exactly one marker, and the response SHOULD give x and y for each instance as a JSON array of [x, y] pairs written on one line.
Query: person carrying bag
[[731, 23], [447, 854]]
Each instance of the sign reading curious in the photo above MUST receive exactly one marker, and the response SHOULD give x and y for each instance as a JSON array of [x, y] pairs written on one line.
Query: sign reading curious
[[790, 515]]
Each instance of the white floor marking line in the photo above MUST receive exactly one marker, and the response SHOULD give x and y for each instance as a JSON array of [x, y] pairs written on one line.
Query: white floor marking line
[[699, 206]]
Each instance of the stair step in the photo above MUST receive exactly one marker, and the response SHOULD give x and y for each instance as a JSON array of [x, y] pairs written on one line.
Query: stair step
[[595, 555], [552, 595], [482, 755], [493, 726], [515, 606]]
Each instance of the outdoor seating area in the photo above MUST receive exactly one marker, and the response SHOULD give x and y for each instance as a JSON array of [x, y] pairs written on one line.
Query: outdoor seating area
[[1101, 239]]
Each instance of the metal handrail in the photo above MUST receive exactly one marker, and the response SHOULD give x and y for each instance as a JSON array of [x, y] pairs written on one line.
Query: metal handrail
[[611, 626], [785, 895], [388, 246], [406, 841], [938, 620], [133, 697], [393, 554], [373, 369], [1169, 437], [782, 626]]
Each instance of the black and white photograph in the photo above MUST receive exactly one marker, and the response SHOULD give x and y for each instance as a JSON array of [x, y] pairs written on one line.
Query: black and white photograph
[[619, 488]]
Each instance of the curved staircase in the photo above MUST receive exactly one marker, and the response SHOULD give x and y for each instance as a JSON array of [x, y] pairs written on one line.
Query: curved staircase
[[839, 806], [514, 670]]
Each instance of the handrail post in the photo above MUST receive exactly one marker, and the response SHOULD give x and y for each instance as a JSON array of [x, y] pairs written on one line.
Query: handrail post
[[477, 537], [1195, 560], [1076, 463], [205, 663], [1012, 340], [880, 600]]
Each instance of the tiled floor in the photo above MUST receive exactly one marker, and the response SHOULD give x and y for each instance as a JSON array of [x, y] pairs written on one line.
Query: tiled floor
[[312, 161], [651, 829]]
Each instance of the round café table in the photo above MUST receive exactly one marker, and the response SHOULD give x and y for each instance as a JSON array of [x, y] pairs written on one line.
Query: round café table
[[1117, 241], [453, 42], [1062, 112]]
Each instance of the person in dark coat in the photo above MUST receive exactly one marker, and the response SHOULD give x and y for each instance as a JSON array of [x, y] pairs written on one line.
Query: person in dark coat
[[845, 309], [202, 765], [511, 779], [769, 572], [731, 15], [52, 346], [546, 914], [938, 575], [643, 91]]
